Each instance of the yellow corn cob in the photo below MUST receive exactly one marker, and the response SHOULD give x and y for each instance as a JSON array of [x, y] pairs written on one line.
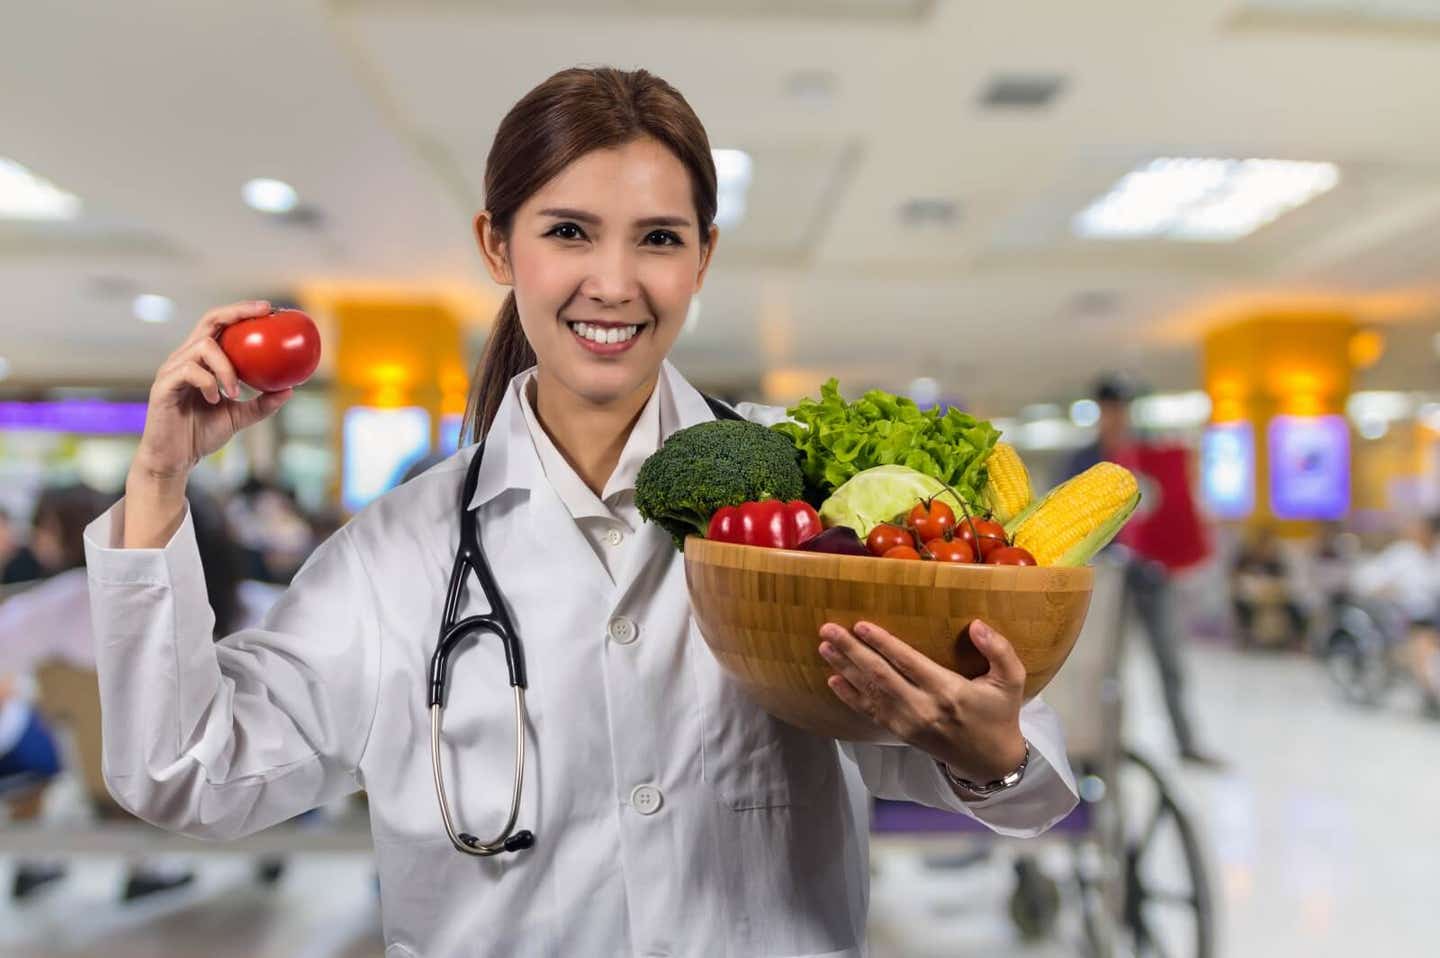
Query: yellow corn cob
[[1007, 488], [1080, 509]]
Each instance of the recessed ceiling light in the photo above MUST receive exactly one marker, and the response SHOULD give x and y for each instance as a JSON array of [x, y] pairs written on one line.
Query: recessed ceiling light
[[733, 170], [270, 196], [1203, 199], [26, 196], [150, 308]]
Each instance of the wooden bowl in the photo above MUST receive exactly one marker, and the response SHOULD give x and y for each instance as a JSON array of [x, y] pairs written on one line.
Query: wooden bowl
[[760, 612]]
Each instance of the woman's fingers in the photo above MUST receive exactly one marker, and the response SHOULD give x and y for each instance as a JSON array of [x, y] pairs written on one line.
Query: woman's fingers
[[192, 374], [220, 317], [249, 413], [209, 354], [915, 665], [867, 670], [1006, 669]]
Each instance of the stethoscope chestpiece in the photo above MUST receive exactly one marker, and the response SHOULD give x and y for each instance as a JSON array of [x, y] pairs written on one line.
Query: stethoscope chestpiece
[[520, 841]]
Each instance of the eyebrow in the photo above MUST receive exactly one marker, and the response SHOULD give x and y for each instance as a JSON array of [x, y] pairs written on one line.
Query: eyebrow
[[583, 217]]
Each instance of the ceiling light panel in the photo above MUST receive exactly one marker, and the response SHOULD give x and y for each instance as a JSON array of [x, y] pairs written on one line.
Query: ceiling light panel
[[1203, 199]]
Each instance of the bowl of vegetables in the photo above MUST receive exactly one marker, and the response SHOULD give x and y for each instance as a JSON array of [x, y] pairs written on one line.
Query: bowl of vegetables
[[925, 522]]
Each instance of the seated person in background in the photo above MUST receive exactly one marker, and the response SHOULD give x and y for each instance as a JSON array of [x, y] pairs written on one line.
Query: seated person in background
[[17, 561], [1407, 572], [272, 530], [51, 622], [1265, 607]]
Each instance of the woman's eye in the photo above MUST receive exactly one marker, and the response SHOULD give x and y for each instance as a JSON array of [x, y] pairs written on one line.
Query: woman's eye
[[566, 231], [663, 238]]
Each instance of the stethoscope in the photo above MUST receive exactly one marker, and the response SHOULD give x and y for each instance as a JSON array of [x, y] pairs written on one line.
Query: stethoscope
[[469, 557]]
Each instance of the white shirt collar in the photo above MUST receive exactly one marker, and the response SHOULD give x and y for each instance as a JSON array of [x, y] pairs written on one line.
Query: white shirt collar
[[579, 499], [512, 462]]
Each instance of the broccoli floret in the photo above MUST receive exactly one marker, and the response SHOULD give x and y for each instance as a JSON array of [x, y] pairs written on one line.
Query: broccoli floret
[[713, 464]]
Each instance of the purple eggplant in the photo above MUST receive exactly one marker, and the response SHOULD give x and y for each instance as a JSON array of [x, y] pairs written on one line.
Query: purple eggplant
[[836, 540]]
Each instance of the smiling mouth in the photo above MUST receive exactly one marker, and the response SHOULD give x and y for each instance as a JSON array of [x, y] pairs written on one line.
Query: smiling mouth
[[606, 333]]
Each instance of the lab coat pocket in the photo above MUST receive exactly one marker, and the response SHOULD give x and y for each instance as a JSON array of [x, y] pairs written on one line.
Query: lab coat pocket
[[751, 758]]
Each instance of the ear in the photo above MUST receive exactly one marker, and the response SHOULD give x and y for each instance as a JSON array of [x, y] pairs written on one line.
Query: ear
[[494, 249], [706, 255]]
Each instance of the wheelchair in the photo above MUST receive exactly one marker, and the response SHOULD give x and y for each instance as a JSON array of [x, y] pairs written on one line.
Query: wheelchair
[[1137, 870]]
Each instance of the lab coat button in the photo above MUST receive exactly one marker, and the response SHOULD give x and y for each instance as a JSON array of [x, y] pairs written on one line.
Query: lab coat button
[[614, 537], [646, 799], [623, 630]]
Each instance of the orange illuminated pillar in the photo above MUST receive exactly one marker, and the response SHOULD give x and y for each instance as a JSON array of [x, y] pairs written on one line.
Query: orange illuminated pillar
[[393, 352], [1282, 363]]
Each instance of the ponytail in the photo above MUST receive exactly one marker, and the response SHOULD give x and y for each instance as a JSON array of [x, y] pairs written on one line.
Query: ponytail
[[507, 354]]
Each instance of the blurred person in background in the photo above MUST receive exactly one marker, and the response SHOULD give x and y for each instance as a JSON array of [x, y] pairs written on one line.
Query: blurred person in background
[[272, 529], [1147, 577], [1266, 608], [1407, 572], [17, 560], [51, 622], [602, 195]]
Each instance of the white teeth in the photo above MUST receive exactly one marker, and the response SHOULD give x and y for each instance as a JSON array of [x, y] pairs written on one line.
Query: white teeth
[[604, 335]]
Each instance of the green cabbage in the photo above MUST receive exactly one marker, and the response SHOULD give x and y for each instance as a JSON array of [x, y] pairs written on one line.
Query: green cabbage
[[882, 494]]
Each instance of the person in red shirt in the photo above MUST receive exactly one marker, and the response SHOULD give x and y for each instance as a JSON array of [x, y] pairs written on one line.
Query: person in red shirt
[[1164, 536]]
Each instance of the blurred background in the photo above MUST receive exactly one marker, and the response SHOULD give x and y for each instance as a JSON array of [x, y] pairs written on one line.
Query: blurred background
[[1202, 239]]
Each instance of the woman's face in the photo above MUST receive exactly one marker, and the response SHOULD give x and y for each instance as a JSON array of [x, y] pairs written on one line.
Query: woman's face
[[613, 243]]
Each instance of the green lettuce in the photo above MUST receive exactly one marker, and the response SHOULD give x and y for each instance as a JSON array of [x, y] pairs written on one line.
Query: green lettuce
[[838, 439]]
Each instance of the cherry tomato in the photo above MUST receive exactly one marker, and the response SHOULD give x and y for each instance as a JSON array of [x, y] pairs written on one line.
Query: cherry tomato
[[985, 536], [950, 550], [931, 519], [1011, 555], [273, 352], [885, 537], [901, 552]]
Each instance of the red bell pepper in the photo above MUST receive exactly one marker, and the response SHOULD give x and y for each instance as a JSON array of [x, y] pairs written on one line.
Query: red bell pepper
[[769, 523]]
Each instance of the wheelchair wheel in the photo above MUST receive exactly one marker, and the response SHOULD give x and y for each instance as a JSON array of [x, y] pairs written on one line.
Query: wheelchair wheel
[[1358, 669], [1168, 904], [1035, 902]]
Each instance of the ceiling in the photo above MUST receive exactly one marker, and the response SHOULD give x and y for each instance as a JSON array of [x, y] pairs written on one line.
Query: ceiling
[[381, 113]]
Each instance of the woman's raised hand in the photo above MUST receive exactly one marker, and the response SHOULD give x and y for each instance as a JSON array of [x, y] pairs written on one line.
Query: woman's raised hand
[[195, 406]]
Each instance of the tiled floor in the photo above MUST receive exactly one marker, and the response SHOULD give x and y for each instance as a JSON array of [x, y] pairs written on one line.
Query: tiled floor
[[1322, 836]]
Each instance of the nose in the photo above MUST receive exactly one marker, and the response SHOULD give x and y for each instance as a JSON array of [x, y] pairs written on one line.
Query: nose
[[613, 279]]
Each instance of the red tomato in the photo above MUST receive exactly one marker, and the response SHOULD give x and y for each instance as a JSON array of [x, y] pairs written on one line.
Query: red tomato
[[984, 536], [1011, 555], [950, 550], [885, 537], [273, 352], [901, 552], [931, 519]]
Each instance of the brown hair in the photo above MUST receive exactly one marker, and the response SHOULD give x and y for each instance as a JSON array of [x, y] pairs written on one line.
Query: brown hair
[[69, 509], [573, 113]]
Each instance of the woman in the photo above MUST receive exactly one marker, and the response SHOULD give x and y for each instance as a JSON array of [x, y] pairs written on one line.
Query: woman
[[670, 815]]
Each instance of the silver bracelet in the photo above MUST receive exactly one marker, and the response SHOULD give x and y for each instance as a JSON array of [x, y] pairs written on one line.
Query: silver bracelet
[[989, 788]]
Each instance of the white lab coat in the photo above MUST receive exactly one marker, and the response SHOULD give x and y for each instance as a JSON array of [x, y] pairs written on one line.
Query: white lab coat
[[740, 841]]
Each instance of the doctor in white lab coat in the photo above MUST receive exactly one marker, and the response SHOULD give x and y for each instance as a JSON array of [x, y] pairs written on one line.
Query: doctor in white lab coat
[[671, 815]]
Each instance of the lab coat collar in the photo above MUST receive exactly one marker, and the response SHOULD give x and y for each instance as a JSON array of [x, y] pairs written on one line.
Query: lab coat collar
[[511, 461]]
